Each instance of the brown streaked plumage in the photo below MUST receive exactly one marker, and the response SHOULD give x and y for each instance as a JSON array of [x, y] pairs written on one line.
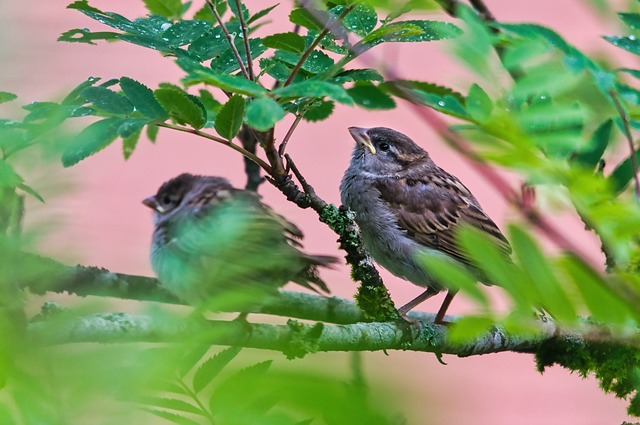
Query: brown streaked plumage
[[405, 203], [191, 212]]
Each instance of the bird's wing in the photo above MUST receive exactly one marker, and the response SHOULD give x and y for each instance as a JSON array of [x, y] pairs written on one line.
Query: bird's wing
[[431, 207]]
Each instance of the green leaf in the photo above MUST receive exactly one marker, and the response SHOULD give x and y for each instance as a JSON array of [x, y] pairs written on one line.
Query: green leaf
[[210, 368], [437, 97], [129, 143], [633, 72], [479, 105], [469, 328], [130, 131], [288, 41], [172, 404], [369, 96], [74, 97], [603, 303], [108, 100], [7, 97], [263, 113], [234, 8], [358, 75], [411, 31], [361, 20], [213, 43], [181, 107], [632, 20], [152, 132], [317, 62], [551, 295], [306, 19], [318, 110], [229, 83], [85, 35], [629, 43], [111, 19], [261, 14], [590, 154], [233, 388], [623, 173], [92, 139], [168, 8], [453, 275], [172, 417], [185, 32], [278, 70], [230, 117], [314, 89], [143, 99], [227, 63]]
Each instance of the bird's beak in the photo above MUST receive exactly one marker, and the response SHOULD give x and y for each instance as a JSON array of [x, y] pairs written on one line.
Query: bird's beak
[[361, 136], [152, 203]]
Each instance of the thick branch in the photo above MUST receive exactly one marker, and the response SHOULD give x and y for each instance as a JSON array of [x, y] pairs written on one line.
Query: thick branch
[[289, 338]]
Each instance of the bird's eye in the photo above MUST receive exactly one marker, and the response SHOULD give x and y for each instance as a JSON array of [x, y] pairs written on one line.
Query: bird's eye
[[166, 200], [384, 146]]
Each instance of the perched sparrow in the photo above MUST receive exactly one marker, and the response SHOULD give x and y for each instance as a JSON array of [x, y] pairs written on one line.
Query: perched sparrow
[[210, 236], [406, 204]]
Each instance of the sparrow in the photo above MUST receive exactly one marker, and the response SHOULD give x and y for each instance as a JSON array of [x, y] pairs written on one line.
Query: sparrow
[[405, 205], [211, 238]]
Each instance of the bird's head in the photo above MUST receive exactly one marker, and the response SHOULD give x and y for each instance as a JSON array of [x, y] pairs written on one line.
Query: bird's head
[[384, 151], [187, 189]]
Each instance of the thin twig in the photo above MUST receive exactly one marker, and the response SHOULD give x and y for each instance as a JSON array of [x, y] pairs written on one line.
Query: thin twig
[[627, 132], [229, 39], [328, 27], [483, 10], [266, 167], [245, 35], [251, 169], [287, 137]]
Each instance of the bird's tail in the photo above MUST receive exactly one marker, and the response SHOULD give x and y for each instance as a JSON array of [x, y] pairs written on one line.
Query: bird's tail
[[309, 277]]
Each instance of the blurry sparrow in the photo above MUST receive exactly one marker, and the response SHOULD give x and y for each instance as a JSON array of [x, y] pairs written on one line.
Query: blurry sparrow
[[405, 204], [210, 236]]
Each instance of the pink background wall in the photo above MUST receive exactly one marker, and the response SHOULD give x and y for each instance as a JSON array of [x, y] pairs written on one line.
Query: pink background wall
[[98, 220]]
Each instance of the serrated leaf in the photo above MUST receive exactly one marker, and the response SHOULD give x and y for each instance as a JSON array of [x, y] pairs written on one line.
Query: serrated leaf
[[108, 18], [85, 35], [623, 173], [263, 113], [108, 100], [230, 117], [551, 294], [411, 31], [129, 143], [168, 8], [262, 13], [314, 89], [479, 104], [288, 41], [74, 98], [192, 358], [590, 154], [358, 75], [453, 275], [229, 83], [306, 19], [278, 70], [143, 99], [316, 63], [7, 97], [210, 368], [318, 110], [233, 387], [172, 417], [92, 139], [226, 62], [629, 43], [214, 42], [130, 131], [369, 96], [172, 404], [439, 98], [234, 8], [185, 32], [361, 20], [180, 107]]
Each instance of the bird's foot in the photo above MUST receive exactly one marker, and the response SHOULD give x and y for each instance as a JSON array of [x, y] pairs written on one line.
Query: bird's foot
[[411, 328]]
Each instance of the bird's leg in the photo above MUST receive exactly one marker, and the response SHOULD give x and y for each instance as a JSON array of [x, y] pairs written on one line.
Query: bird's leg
[[430, 292], [439, 320]]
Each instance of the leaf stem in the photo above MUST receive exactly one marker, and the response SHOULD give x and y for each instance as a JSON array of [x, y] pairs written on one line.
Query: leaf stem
[[627, 132], [245, 36], [328, 27], [205, 412], [287, 137], [229, 38], [266, 167]]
